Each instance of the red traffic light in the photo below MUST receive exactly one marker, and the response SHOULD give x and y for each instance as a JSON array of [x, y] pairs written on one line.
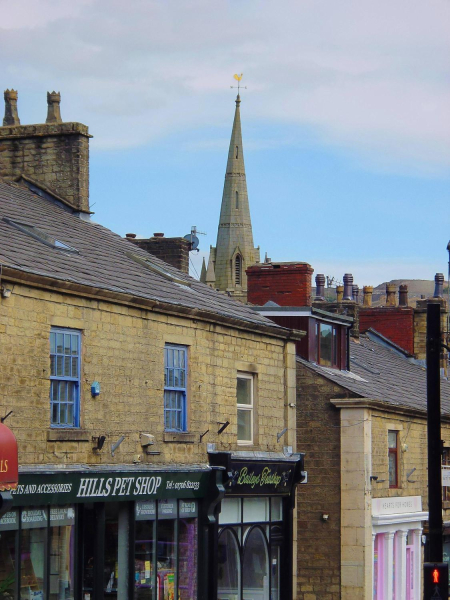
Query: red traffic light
[[435, 580], [435, 576]]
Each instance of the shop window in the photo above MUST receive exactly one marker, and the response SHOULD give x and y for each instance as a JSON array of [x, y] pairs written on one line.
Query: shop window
[[62, 552], [244, 394], [229, 571], [9, 529], [393, 458], [446, 465], [327, 345], [65, 377], [256, 565], [256, 509], [144, 560], [175, 388], [187, 550], [32, 553]]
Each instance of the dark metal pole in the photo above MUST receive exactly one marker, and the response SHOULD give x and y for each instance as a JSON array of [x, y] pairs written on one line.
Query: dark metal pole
[[434, 429]]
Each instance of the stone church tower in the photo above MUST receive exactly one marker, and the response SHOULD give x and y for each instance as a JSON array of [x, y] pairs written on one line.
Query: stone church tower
[[234, 251]]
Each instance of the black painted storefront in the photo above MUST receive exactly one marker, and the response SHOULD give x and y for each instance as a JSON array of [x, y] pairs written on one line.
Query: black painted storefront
[[94, 533]]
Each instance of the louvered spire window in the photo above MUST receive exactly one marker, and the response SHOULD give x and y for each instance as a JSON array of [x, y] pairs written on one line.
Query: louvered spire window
[[237, 199], [238, 270]]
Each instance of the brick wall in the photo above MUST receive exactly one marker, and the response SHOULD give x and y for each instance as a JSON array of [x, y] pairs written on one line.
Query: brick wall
[[122, 348], [318, 435], [55, 155], [174, 251], [395, 323], [287, 284]]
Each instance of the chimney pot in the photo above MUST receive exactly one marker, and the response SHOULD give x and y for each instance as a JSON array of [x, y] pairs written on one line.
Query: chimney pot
[[11, 115], [348, 286], [339, 293], [158, 235], [355, 292], [53, 109], [367, 295], [403, 295], [438, 285], [131, 236], [320, 287], [391, 290]]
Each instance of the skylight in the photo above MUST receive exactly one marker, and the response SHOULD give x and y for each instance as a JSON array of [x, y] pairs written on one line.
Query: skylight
[[157, 269], [41, 236]]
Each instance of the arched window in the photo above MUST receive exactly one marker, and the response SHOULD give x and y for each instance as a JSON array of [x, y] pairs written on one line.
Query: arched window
[[237, 151], [229, 575], [237, 199], [255, 567], [238, 270]]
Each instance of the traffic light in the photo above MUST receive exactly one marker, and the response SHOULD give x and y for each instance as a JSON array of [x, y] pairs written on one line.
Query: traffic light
[[435, 581]]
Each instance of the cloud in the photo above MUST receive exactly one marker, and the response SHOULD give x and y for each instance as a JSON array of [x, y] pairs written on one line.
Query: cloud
[[369, 77]]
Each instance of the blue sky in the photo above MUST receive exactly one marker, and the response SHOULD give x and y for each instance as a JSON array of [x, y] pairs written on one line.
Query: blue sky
[[345, 121]]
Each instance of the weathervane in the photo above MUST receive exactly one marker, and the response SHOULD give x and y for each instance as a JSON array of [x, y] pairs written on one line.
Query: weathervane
[[238, 79]]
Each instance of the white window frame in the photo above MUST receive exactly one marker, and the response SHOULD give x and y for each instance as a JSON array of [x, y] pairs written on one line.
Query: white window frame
[[247, 407]]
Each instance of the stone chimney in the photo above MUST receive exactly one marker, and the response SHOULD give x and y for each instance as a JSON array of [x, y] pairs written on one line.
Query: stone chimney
[[320, 287], [403, 295], [391, 290], [339, 293], [53, 110], [53, 155], [348, 286], [367, 295], [11, 115], [438, 285]]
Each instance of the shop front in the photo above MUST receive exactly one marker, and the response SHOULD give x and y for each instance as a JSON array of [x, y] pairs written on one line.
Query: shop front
[[105, 533], [397, 547], [255, 525]]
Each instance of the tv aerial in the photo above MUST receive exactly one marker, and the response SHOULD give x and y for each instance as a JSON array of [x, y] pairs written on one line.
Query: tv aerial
[[193, 239]]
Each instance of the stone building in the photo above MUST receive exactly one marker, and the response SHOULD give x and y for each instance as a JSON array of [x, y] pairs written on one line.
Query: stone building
[[147, 407], [361, 419], [234, 252]]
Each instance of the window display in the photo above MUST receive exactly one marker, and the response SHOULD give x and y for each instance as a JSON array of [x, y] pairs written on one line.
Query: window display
[[9, 526], [32, 553], [62, 552]]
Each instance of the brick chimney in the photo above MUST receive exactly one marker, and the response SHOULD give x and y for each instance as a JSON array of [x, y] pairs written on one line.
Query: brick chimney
[[367, 295], [52, 155], [174, 251], [391, 290], [287, 284]]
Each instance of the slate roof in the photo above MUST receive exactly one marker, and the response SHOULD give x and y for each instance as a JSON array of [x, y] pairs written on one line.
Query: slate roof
[[379, 373], [101, 261]]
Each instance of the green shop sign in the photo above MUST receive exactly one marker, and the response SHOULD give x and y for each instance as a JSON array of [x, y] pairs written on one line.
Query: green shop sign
[[69, 487]]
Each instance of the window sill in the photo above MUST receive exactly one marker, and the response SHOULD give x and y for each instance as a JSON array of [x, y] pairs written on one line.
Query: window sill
[[179, 437], [68, 435]]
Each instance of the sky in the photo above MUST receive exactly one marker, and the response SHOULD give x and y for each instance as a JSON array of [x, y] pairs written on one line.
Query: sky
[[345, 119]]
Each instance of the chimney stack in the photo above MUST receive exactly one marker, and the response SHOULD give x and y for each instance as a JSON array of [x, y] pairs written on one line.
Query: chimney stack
[[367, 295], [320, 287], [339, 293], [53, 110], [403, 295], [11, 114], [348, 286], [52, 155], [355, 292], [438, 285], [391, 290]]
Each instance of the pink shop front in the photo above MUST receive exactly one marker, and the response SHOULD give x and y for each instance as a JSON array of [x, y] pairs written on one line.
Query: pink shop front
[[397, 525]]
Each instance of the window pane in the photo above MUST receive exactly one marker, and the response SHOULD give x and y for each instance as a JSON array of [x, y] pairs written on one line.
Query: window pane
[[187, 558], [74, 366], [256, 510], [244, 418], [32, 567], [277, 509], [52, 343], [62, 552], [70, 415], [326, 335], [52, 365], [256, 566], [67, 364], [144, 560], [244, 394], [392, 439], [63, 414], [67, 344], [59, 342], [59, 366], [9, 523], [55, 416], [393, 469], [231, 511], [74, 344], [229, 566], [166, 557]]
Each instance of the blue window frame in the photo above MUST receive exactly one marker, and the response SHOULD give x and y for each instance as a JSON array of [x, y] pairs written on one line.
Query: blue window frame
[[175, 376], [65, 345]]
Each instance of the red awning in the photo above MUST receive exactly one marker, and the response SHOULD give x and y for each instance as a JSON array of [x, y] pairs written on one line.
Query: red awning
[[9, 460]]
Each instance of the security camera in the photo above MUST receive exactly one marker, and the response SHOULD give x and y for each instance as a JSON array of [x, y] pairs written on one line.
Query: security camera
[[147, 439]]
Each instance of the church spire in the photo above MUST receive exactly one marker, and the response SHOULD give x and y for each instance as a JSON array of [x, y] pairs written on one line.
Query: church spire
[[234, 251]]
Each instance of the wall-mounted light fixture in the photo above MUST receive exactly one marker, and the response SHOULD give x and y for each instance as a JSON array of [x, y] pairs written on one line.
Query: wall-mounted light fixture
[[280, 435], [224, 426], [95, 389], [117, 444], [99, 441], [6, 292], [325, 517]]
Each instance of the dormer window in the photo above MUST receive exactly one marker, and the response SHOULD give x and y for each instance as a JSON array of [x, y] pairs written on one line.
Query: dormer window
[[327, 345]]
